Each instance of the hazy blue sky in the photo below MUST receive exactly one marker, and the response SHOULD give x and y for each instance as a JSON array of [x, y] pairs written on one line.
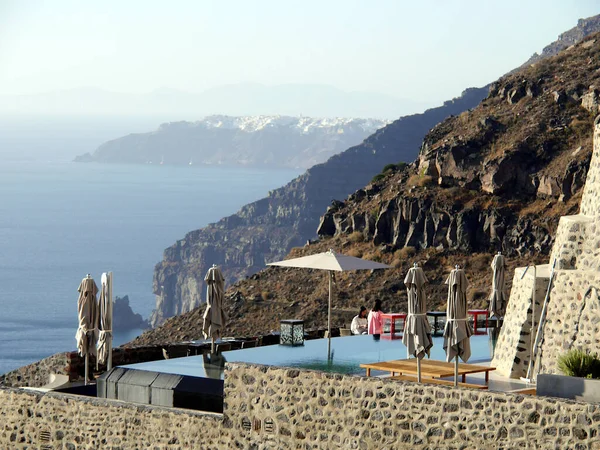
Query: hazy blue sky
[[423, 50]]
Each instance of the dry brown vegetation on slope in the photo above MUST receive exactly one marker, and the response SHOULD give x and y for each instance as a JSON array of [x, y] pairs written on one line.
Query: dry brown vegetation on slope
[[495, 178]]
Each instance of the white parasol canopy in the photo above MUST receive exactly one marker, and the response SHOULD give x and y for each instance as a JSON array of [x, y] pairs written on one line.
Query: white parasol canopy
[[332, 262]]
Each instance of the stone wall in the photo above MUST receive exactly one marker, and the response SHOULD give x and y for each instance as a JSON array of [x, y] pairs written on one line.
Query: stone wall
[[590, 206], [279, 408], [62, 421], [513, 349], [573, 310], [573, 317], [569, 242], [73, 365], [37, 374]]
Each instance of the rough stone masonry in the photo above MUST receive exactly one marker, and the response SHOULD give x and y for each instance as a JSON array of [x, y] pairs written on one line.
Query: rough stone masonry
[[279, 408], [573, 314]]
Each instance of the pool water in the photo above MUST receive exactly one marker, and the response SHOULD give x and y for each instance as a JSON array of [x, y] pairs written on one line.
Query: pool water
[[347, 355]]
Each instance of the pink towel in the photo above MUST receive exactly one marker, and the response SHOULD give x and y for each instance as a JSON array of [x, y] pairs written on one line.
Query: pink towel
[[375, 322]]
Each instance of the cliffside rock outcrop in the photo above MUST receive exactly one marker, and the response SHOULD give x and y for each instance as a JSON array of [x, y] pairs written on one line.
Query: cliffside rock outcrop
[[584, 27], [522, 149], [494, 177], [267, 229], [509, 160], [123, 316]]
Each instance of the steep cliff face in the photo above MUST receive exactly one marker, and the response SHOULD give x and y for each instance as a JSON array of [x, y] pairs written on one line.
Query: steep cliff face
[[494, 177], [497, 177], [585, 27], [266, 230], [509, 160]]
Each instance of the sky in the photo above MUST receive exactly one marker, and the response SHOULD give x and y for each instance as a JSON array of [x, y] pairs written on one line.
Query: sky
[[427, 50]]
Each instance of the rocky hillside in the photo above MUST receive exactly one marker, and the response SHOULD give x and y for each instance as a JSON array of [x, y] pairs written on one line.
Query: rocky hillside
[[267, 229], [497, 177], [585, 27], [272, 141]]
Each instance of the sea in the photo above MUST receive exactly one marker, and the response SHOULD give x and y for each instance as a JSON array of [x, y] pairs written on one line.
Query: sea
[[61, 220]]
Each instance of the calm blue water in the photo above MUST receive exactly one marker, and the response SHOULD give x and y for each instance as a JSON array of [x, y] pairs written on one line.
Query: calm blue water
[[61, 220], [348, 354]]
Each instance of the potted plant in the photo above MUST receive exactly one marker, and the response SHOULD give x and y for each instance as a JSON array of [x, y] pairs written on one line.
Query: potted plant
[[581, 379]]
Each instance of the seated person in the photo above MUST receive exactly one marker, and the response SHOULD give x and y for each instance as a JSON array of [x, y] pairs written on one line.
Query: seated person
[[359, 323], [374, 320]]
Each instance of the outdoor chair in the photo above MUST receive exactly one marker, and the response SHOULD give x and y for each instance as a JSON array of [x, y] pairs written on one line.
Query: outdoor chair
[[345, 332], [250, 344], [222, 347]]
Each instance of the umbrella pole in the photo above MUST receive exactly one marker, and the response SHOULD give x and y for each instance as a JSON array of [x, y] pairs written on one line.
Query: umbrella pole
[[418, 369], [87, 360], [109, 360], [456, 371], [212, 346], [110, 303], [329, 317]]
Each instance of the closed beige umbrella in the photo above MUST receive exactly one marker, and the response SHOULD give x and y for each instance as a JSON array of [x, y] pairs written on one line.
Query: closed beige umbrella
[[417, 332], [87, 309], [214, 316], [332, 262], [105, 319], [458, 329], [498, 296]]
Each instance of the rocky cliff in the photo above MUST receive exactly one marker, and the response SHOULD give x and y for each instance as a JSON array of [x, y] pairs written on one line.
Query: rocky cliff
[[584, 28], [266, 230], [273, 141], [497, 177], [123, 316]]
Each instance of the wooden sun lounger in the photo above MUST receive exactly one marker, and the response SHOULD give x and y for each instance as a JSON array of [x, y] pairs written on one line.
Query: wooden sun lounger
[[429, 368]]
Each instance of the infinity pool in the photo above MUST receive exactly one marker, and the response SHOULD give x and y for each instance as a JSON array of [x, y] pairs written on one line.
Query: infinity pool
[[347, 355]]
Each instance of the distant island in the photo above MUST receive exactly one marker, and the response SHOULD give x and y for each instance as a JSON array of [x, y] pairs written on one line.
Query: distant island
[[273, 141], [124, 318]]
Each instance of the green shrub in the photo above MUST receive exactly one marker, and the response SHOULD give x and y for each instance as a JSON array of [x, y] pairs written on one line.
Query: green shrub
[[377, 178], [387, 169], [579, 363]]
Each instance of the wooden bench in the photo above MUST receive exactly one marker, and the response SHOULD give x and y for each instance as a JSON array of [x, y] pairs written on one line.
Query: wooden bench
[[438, 381], [429, 368]]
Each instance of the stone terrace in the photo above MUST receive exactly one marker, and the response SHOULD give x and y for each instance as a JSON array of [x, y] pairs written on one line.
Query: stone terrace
[[271, 407]]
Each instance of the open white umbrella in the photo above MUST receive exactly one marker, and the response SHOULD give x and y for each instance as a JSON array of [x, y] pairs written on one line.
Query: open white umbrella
[[331, 262], [458, 329], [498, 296], [417, 332], [214, 316], [87, 309], [105, 319]]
